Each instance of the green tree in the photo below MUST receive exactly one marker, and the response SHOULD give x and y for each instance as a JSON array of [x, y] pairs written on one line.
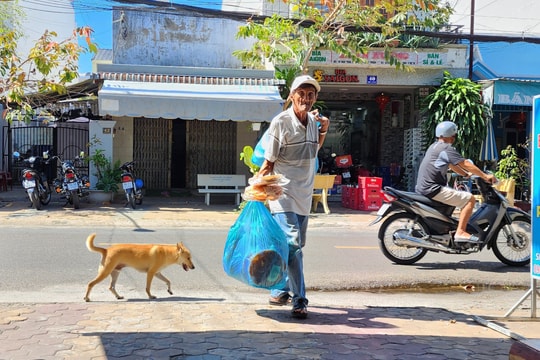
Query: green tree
[[458, 100], [49, 66], [344, 26]]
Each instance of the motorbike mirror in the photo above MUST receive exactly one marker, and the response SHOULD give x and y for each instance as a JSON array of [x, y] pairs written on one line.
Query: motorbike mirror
[[16, 155]]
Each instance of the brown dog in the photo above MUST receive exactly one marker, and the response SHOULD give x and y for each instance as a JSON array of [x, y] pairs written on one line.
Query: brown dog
[[146, 258]]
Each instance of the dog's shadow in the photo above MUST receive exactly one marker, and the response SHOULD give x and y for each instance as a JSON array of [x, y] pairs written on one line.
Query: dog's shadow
[[178, 298]]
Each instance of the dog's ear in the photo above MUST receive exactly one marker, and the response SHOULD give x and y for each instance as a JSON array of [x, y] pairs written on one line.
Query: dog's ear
[[180, 246]]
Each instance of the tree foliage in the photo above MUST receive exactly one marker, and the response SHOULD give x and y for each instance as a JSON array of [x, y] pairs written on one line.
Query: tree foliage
[[458, 100], [511, 166], [344, 26], [49, 66]]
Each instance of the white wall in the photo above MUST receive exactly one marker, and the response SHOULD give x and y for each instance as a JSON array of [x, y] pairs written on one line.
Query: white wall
[[57, 16], [104, 131], [176, 39]]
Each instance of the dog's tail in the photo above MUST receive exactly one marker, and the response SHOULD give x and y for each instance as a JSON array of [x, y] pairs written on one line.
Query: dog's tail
[[90, 245]]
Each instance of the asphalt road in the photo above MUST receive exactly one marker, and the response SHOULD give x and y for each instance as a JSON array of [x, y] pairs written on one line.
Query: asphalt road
[[52, 264]]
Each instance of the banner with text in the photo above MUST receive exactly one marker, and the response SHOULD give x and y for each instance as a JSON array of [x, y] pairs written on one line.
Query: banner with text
[[535, 190], [377, 57]]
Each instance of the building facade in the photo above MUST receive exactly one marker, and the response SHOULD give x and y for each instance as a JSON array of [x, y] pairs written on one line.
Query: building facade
[[183, 104]]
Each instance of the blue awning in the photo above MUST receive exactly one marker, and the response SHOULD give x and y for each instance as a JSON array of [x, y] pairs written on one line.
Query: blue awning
[[189, 101], [514, 92]]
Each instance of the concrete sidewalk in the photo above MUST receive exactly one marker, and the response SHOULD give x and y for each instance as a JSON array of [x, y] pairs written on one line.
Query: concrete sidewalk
[[341, 325], [190, 211], [203, 327]]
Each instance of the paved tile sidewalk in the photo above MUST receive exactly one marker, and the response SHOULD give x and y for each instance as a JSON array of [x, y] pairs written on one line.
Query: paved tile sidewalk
[[214, 330]]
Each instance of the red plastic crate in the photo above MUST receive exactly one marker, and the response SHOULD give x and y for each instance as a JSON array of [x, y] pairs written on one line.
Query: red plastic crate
[[353, 203], [369, 193], [370, 205], [345, 196], [370, 182]]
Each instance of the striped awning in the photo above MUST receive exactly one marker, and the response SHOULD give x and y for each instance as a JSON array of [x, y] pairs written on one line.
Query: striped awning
[[488, 151]]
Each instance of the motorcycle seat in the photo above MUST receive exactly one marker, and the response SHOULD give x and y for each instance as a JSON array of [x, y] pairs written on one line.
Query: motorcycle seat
[[439, 206]]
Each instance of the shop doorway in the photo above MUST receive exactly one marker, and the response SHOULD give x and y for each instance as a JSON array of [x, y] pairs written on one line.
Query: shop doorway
[[354, 130], [178, 155]]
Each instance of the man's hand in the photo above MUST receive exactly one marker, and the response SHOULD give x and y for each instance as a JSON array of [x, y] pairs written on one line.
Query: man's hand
[[323, 120], [490, 178]]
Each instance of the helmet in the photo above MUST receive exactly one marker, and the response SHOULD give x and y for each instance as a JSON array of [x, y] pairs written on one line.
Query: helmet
[[446, 129]]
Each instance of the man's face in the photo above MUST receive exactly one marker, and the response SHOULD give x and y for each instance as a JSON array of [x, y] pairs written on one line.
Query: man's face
[[303, 98], [450, 139]]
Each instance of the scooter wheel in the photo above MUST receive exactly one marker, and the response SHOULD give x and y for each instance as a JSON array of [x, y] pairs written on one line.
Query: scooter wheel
[[35, 200], [75, 199], [131, 199], [514, 251], [391, 228]]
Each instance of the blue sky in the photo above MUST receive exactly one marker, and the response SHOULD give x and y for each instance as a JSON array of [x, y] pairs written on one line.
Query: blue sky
[[98, 15]]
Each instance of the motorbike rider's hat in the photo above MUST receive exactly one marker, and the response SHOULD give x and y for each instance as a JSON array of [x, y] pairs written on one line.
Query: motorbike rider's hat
[[446, 129]]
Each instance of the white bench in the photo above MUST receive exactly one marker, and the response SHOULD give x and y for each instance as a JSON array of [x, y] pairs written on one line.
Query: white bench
[[220, 184]]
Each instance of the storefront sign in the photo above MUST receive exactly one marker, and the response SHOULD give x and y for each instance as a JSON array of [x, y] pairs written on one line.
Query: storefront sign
[[518, 93], [516, 98], [339, 76], [377, 57]]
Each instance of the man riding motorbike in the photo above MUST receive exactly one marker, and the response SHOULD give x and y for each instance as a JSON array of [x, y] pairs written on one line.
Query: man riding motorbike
[[432, 181]]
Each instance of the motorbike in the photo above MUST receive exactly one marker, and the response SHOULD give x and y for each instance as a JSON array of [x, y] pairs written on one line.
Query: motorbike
[[132, 186], [72, 186], [415, 224], [34, 179]]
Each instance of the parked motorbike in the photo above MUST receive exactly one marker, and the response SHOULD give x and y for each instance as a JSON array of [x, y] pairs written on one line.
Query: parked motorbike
[[416, 224], [131, 185], [71, 185], [34, 179]]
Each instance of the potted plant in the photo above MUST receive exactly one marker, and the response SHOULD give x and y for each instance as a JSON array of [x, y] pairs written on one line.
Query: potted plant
[[108, 174], [513, 174]]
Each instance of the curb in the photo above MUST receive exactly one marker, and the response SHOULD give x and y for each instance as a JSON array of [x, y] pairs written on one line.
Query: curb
[[525, 350]]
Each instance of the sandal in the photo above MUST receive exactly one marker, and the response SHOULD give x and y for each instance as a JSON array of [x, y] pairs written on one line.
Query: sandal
[[281, 300]]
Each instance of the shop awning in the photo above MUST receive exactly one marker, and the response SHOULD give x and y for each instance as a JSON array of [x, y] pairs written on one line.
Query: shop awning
[[189, 101], [512, 91]]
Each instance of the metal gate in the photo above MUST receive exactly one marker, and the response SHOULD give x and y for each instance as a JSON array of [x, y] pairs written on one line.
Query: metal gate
[[67, 140], [210, 148], [151, 151]]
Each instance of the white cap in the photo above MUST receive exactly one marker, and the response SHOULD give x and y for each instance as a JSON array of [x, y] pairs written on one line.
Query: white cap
[[303, 80]]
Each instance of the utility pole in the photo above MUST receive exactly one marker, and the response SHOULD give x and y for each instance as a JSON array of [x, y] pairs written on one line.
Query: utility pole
[[471, 42]]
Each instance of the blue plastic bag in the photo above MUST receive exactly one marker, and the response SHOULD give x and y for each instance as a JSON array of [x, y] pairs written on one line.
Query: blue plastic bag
[[258, 153], [256, 250]]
